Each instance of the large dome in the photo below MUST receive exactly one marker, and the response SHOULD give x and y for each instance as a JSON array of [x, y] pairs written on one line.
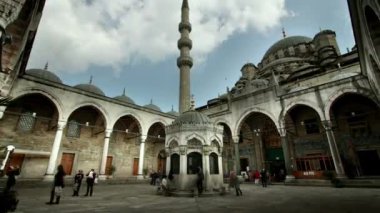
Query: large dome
[[44, 74], [285, 43], [192, 117], [90, 88]]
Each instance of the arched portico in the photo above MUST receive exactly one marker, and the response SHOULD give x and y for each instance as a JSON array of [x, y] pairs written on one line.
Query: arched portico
[[355, 122]]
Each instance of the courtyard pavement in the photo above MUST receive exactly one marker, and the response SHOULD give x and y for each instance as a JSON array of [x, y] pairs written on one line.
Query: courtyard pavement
[[143, 198]]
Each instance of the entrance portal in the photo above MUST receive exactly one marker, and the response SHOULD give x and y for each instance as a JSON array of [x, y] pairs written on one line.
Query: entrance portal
[[369, 162]]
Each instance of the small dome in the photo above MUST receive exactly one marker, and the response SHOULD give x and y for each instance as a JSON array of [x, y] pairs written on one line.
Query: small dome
[[172, 112], [192, 117], [44, 74], [124, 98], [325, 32], [152, 106], [285, 43], [90, 88], [248, 65]]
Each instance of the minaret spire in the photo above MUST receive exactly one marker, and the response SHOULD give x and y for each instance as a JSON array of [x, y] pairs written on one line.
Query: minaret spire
[[184, 61]]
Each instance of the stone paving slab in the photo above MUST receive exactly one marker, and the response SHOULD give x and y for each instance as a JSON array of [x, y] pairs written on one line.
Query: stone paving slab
[[143, 198]]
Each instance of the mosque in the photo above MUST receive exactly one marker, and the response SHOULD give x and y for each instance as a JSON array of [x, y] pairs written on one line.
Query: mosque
[[305, 109]]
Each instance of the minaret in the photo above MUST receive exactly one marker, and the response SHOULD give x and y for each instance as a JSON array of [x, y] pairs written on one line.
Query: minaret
[[184, 61]]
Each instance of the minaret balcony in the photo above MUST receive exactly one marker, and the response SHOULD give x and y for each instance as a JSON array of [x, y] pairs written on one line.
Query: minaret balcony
[[184, 61], [184, 25], [185, 42]]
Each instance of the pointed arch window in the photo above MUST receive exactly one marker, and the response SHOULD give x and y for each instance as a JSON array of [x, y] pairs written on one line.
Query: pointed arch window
[[174, 163], [214, 167]]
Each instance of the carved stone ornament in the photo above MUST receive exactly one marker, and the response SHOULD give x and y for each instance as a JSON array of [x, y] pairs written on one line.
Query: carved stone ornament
[[182, 150]]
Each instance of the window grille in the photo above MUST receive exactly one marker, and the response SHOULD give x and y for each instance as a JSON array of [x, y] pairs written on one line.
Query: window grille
[[26, 122], [73, 129]]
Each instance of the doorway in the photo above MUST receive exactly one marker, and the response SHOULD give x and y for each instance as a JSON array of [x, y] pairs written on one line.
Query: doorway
[[67, 162], [109, 165], [161, 162], [243, 164], [369, 162], [135, 166]]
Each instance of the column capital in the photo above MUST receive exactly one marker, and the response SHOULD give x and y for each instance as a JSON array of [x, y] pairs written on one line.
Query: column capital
[[282, 131], [61, 124], [182, 150], [2, 110], [327, 125], [107, 133], [143, 138], [235, 139]]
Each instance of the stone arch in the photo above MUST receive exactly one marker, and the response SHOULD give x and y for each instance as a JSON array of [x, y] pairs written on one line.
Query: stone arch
[[332, 98], [373, 26], [291, 105], [247, 113], [158, 120], [216, 139], [56, 101], [156, 131], [133, 115], [97, 106], [196, 136], [224, 121], [173, 142]]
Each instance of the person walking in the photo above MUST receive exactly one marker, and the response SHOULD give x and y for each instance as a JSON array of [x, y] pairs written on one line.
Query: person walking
[[200, 178], [8, 197], [234, 181], [90, 180], [58, 185], [263, 174], [77, 182]]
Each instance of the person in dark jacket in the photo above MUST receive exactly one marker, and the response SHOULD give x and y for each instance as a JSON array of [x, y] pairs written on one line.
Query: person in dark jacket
[[58, 185], [77, 182], [8, 198]]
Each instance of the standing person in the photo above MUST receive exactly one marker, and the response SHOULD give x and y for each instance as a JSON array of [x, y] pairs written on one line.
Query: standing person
[[58, 185], [200, 178], [90, 180], [8, 198], [263, 174], [77, 182]]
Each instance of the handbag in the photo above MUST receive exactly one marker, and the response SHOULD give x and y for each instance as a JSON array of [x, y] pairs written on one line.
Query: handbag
[[96, 180], [58, 190]]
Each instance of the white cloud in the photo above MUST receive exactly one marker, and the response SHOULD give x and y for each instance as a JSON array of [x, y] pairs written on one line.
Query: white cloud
[[75, 34]]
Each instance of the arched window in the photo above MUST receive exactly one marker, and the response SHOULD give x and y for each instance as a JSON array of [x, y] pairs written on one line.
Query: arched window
[[73, 129], [174, 163], [26, 122], [194, 160], [214, 168]]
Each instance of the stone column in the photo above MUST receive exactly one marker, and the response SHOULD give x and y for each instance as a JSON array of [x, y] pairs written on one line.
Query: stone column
[[103, 164], [334, 149], [54, 151], [182, 167], [141, 158], [206, 167], [2, 110], [288, 162], [168, 161], [237, 154]]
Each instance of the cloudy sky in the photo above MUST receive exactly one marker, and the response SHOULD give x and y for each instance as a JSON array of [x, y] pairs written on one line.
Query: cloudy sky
[[132, 44]]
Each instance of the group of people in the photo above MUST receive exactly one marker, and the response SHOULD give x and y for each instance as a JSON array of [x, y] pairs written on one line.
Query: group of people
[[59, 184]]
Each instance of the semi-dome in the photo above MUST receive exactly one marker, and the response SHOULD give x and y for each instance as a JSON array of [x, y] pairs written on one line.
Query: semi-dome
[[192, 117], [152, 106], [90, 88], [44, 74], [285, 43]]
